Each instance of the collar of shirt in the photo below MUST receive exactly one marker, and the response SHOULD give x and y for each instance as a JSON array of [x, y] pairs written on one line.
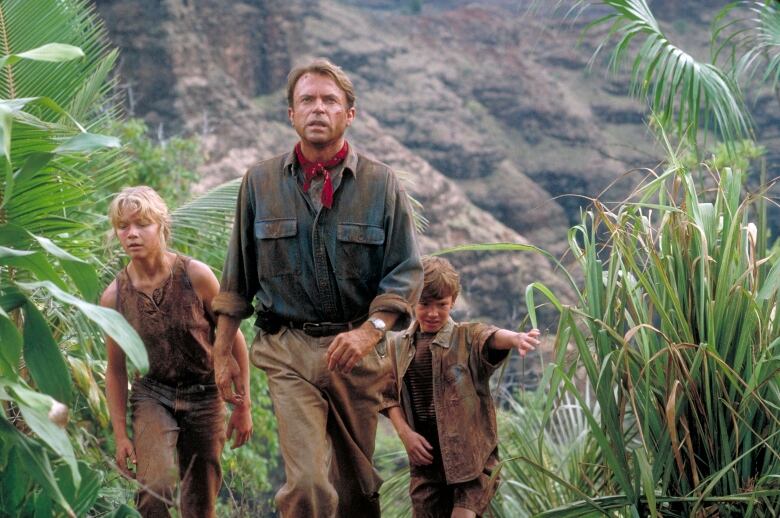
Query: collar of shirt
[[349, 164], [442, 338]]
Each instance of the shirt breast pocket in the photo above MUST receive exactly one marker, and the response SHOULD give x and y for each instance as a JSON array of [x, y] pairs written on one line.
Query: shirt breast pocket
[[278, 249], [360, 250]]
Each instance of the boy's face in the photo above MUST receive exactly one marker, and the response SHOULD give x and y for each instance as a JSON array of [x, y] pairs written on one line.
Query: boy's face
[[432, 314]]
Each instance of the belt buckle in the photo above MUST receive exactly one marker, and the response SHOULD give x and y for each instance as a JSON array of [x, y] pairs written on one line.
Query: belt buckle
[[319, 329], [309, 326]]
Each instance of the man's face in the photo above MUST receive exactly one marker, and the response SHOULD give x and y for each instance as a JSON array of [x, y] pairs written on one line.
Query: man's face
[[319, 113], [432, 314]]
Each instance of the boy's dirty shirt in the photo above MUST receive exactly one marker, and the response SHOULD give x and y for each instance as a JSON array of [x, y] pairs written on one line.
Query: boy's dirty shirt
[[465, 415]]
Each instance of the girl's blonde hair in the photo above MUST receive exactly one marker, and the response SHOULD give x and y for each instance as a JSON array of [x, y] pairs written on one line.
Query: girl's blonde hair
[[147, 203]]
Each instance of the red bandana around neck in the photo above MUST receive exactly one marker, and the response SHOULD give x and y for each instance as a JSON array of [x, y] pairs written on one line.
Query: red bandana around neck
[[312, 169]]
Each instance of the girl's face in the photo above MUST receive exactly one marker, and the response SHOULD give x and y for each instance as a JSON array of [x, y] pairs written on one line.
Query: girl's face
[[433, 314], [138, 235]]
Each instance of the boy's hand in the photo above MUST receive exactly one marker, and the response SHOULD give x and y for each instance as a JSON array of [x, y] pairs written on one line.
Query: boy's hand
[[125, 452], [526, 342], [418, 449], [505, 339], [240, 423]]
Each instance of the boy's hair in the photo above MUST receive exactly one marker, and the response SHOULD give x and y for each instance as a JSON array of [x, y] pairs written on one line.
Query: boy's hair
[[441, 280], [322, 67], [147, 202]]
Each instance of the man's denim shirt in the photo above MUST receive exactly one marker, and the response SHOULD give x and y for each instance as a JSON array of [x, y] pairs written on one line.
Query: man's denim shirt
[[332, 265], [465, 415]]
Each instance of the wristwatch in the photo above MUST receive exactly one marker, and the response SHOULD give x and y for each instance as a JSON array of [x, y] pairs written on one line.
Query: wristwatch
[[378, 324], [381, 346]]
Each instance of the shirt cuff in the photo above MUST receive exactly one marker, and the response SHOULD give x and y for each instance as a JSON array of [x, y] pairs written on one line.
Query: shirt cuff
[[386, 405], [392, 303], [492, 357], [232, 305]]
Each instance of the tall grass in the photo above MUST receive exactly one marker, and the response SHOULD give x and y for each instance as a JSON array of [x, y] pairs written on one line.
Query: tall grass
[[676, 330]]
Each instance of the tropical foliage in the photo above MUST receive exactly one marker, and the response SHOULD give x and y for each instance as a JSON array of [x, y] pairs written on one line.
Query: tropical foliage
[[675, 328], [685, 95], [54, 105], [675, 321]]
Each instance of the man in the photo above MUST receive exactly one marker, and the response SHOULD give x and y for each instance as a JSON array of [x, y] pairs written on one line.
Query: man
[[324, 240]]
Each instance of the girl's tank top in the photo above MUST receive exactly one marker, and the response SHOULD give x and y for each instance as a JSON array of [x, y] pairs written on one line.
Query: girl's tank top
[[176, 329]]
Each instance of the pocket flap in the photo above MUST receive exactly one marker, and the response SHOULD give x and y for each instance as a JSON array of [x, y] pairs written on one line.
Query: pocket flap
[[276, 228], [359, 233]]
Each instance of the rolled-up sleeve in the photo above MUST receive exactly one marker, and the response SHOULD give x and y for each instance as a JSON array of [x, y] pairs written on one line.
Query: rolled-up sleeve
[[239, 276], [487, 360], [402, 279], [389, 395]]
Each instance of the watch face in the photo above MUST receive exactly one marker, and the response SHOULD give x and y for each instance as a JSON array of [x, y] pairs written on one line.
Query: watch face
[[378, 323]]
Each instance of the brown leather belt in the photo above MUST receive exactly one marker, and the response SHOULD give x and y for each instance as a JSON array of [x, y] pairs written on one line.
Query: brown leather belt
[[318, 329], [272, 323]]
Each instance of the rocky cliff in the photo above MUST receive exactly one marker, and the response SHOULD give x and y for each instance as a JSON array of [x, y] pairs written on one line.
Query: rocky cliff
[[489, 111]]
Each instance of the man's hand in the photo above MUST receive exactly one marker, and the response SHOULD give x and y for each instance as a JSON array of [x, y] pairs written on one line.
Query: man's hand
[[240, 424], [228, 375], [125, 452], [418, 449], [348, 348]]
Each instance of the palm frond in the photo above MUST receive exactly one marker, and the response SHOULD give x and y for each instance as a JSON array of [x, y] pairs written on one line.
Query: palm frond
[[683, 94], [757, 34], [27, 25], [204, 224], [54, 159]]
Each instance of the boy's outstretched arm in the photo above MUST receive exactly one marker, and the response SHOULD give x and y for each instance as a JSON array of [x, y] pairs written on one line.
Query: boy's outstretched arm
[[417, 448], [504, 339]]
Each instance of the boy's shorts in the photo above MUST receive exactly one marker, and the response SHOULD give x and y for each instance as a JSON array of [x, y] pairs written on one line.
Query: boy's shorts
[[432, 497]]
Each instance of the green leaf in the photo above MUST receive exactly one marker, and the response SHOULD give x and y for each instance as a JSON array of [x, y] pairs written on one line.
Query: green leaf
[[6, 123], [53, 52], [11, 348], [13, 236], [43, 357], [34, 163], [44, 506], [36, 462], [772, 283], [11, 299], [35, 408], [86, 143], [648, 482], [16, 488], [123, 511], [110, 321], [529, 300], [82, 273], [83, 496], [34, 262], [8, 107], [680, 90]]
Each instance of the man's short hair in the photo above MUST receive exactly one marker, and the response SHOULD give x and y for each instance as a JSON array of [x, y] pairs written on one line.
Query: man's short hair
[[440, 281], [323, 67]]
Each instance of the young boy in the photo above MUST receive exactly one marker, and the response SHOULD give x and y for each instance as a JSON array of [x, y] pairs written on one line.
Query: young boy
[[440, 402]]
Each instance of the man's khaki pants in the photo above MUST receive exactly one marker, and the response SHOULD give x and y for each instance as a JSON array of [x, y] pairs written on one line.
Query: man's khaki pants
[[327, 425]]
